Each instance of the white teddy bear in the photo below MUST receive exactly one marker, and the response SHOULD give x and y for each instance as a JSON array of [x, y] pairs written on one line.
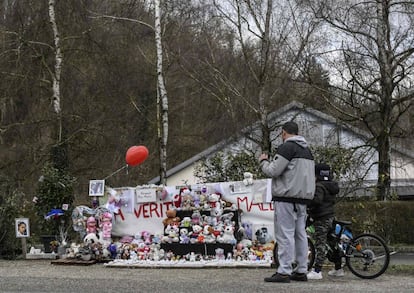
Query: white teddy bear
[[184, 236], [228, 235], [248, 178]]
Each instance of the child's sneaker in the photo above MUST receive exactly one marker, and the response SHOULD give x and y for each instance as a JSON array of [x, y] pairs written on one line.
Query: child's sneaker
[[312, 275], [336, 273]]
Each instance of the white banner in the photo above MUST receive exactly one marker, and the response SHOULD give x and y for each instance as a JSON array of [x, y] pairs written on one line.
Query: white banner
[[133, 217]]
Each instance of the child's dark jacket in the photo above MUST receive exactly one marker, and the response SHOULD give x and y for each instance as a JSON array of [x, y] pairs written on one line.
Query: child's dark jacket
[[322, 205]]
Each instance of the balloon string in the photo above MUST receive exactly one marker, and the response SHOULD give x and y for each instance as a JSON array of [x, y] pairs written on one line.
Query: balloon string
[[126, 166]]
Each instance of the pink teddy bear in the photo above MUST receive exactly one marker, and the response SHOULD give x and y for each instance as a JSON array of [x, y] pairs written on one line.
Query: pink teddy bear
[[147, 237], [91, 225], [106, 225]]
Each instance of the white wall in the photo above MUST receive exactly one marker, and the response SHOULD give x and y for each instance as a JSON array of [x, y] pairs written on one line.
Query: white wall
[[180, 178]]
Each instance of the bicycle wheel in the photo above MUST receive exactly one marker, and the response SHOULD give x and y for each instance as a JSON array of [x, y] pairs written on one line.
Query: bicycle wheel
[[367, 256], [311, 256]]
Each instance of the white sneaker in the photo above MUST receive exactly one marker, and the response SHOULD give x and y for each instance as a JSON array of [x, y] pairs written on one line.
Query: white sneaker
[[336, 273], [312, 275]]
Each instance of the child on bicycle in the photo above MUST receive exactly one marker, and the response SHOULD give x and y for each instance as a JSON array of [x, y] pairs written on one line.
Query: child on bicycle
[[321, 210]]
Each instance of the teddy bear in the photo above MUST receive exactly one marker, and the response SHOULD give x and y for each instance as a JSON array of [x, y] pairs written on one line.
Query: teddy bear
[[212, 200], [106, 224], [176, 223], [146, 236], [142, 251], [156, 238], [208, 234], [137, 239], [216, 213], [92, 238], [248, 178], [228, 235], [171, 234], [171, 217], [197, 229], [187, 201], [218, 230], [155, 253], [114, 203], [184, 236], [94, 243], [125, 251], [185, 222], [113, 250], [91, 225], [238, 252], [196, 217], [219, 253], [196, 200]]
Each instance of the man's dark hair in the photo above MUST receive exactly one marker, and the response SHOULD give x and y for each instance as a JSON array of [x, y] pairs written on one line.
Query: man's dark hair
[[291, 128]]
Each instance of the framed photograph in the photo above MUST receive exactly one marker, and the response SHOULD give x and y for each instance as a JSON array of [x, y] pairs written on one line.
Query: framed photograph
[[96, 187], [22, 227]]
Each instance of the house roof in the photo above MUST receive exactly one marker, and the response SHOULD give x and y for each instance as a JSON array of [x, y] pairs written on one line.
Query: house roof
[[215, 148], [274, 116]]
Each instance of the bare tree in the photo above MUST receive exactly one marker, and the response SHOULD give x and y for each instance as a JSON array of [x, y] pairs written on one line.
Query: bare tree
[[371, 65], [271, 39], [58, 66], [162, 98]]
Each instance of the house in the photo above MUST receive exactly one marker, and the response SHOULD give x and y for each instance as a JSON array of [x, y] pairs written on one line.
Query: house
[[319, 129]]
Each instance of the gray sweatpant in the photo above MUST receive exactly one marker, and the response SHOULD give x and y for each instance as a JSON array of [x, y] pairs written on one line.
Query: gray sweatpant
[[290, 233]]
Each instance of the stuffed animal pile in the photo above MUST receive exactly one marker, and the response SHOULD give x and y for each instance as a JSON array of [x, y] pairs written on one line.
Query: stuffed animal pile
[[195, 217], [211, 222]]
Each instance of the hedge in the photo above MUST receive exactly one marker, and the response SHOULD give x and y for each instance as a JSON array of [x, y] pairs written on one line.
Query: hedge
[[392, 220]]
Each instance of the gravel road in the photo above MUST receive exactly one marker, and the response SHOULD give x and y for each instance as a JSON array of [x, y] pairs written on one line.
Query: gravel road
[[42, 276]]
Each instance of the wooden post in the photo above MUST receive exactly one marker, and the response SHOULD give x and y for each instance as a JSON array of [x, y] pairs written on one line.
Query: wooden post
[[24, 247]]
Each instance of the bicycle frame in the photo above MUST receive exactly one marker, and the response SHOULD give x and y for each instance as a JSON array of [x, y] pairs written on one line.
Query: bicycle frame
[[366, 255]]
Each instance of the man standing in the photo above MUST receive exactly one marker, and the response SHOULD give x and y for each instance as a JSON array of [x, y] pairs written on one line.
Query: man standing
[[293, 187]]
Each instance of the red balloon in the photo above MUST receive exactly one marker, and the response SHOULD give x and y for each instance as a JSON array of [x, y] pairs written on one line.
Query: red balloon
[[135, 155]]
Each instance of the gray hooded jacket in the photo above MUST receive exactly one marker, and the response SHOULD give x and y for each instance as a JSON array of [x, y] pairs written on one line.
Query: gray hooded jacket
[[292, 171]]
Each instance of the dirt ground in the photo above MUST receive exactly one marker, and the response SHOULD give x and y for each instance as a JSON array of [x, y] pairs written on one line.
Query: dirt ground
[[42, 276]]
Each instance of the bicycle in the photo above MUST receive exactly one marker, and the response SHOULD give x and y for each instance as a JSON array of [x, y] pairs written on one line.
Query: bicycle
[[366, 255]]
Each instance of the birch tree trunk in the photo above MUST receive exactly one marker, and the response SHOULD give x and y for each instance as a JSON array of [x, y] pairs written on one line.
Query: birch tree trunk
[[57, 68], [162, 99], [266, 143]]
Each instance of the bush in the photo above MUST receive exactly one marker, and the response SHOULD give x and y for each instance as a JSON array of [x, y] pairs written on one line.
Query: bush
[[55, 188], [228, 167], [10, 208], [392, 220]]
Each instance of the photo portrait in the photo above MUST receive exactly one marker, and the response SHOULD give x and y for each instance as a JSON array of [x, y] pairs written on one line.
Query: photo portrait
[[22, 227], [96, 187]]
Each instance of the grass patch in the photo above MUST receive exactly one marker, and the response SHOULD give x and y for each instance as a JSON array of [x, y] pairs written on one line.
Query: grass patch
[[401, 270]]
